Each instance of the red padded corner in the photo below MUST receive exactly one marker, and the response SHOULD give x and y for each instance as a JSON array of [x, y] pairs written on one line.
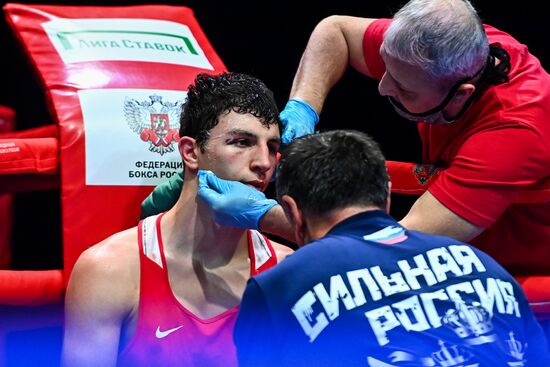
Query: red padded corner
[[7, 124], [31, 151], [46, 131], [537, 290], [98, 96], [35, 155], [31, 288]]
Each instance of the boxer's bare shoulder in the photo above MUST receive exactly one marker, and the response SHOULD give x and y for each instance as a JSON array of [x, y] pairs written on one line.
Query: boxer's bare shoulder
[[103, 293], [281, 251], [122, 244], [115, 258], [105, 278]]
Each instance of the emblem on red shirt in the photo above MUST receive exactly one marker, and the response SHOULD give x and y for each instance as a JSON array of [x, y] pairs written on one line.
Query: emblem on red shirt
[[424, 172]]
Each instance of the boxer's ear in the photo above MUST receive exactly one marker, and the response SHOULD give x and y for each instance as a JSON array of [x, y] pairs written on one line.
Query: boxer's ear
[[188, 150]]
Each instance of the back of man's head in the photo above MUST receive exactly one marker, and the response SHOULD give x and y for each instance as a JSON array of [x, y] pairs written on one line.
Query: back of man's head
[[212, 95], [445, 38], [333, 170]]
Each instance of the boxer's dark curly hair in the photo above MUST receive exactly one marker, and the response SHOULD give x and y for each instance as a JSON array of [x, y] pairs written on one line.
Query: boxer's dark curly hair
[[210, 96]]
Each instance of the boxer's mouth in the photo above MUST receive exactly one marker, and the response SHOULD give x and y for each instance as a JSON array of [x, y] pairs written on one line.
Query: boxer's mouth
[[257, 184]]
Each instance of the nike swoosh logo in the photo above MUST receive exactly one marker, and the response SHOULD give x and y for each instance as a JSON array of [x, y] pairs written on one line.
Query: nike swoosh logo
[[163, 334]]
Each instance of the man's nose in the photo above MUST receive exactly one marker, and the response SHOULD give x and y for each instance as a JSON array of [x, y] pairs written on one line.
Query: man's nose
[[263, 160], [385, 86]]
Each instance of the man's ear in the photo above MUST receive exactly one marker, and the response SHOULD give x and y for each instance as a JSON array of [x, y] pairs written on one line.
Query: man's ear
[[296, 218], [188, 150], [463, 93]]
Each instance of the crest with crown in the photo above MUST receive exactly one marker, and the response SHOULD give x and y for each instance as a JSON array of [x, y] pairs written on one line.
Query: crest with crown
[[468, 320], [451, 356], [155, 121], [516, 349]]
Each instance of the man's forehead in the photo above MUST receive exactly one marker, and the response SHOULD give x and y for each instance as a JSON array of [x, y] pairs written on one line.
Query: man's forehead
[[408, 77]]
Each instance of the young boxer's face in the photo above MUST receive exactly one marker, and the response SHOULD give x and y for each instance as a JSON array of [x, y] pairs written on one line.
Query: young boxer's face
[[240, 148]]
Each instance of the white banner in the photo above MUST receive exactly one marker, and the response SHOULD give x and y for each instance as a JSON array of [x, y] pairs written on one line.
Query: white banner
[[78, 40], [131, 135]]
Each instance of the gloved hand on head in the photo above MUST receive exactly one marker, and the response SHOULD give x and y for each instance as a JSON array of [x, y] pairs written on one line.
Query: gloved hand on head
[[298, 119], [233, 203]]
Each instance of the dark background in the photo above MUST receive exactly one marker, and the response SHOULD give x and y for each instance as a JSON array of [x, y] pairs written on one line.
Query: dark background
[[265, 39]]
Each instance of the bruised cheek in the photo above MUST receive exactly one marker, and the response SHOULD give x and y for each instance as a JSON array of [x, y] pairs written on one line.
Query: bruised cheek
[[226, 165], [209, 161]]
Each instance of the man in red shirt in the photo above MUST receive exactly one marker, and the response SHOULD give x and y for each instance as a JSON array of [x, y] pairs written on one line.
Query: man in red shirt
[[482, 104], [166, 292]]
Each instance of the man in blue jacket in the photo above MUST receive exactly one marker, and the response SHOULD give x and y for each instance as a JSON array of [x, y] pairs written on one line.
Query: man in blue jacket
[[365, 291]]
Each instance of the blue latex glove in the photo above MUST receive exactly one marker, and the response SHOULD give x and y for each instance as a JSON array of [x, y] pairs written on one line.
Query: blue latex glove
[[234, 204], [298, 119]]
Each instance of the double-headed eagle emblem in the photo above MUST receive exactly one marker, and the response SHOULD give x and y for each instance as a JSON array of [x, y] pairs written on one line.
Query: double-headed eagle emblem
[[156, 121]]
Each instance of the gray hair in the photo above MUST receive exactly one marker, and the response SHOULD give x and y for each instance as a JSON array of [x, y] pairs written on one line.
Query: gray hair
[[445, 38]]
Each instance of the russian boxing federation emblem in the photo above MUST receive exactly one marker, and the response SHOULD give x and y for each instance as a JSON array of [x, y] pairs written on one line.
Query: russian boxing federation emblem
[[424, 172], [155, 121]]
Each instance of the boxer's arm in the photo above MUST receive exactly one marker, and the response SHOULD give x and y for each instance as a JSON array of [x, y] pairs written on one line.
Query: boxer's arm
[[429, 215], [96, 305]]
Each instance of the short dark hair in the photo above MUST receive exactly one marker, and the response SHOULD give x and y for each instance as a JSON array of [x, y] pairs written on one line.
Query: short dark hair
[[212, 95], [333, 170]]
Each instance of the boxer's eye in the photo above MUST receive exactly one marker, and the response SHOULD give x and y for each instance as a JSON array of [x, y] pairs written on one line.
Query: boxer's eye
[[241, 142]]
